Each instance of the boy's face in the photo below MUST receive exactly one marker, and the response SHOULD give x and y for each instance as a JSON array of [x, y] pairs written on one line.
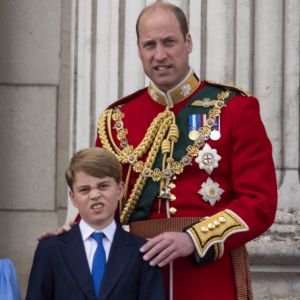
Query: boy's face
[[96, 198]]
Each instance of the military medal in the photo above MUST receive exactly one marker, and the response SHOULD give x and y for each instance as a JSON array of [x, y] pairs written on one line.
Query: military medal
[[193, 134], [210, 191], [194, 123], [215, 135], [208, 159], [215, 130]]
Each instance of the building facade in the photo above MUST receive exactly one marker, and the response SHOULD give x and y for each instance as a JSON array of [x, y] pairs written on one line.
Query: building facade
[[63, 61]]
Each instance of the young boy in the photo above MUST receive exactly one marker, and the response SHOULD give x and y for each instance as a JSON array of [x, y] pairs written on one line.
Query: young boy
[[66, 266]]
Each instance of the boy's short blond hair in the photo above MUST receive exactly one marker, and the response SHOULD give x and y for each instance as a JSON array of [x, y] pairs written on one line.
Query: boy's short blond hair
[[96, 162]]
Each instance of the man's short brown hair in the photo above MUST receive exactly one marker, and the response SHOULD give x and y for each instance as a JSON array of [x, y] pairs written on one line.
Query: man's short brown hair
[[179, 14], [96, 162]]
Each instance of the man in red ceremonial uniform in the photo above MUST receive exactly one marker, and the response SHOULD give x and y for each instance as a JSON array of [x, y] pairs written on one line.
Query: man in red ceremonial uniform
[[197, 165]]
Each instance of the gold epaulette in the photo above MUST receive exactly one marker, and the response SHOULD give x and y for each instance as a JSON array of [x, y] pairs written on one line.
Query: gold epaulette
[[229, 86]]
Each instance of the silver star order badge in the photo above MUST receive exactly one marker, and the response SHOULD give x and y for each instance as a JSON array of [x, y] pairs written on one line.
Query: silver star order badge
[[210, 191], [208, 159]]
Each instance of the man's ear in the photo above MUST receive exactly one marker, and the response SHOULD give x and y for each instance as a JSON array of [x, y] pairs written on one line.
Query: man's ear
[[189, 42]]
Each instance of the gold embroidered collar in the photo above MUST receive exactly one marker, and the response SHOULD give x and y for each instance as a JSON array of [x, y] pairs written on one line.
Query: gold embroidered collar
[[180, 92]]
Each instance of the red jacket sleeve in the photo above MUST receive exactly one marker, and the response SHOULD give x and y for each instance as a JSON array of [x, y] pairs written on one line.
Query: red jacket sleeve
[[252, 180]]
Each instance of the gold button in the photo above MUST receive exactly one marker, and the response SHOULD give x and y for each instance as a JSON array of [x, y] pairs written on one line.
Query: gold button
[[172, 197], [216, 223], [222, 220], [204, 229], [211, 226], [172, 210], [172, 185]]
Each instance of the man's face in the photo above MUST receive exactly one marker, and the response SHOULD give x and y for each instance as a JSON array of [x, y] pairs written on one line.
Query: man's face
[[96, 198], [163, 49]]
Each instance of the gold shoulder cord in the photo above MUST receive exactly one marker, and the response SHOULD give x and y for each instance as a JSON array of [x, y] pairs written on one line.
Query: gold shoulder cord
[[128, 154], [140, 183], [162, 134], [154, 137]]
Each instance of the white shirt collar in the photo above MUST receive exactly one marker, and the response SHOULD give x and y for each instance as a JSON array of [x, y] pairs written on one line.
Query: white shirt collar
[[87, 230]]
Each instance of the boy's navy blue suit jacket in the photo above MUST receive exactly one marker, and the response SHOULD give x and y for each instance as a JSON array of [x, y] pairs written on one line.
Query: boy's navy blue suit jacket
[[60, 270]]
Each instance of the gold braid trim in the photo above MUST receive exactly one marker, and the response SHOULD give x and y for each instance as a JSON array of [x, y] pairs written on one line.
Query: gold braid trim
[[216, 229], [104, 125], [154, 136], [109, 117], [140, 183], [102, 131]]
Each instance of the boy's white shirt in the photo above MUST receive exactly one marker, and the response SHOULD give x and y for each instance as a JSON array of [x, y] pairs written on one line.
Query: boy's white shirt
[[90, 245]]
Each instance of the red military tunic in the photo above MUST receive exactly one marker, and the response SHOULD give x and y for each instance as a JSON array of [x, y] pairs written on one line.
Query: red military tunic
[[246, 186]]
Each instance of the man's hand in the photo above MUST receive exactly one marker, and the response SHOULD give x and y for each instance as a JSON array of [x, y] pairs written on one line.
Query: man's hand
[[166, 247], [58, 231], [46, 234]]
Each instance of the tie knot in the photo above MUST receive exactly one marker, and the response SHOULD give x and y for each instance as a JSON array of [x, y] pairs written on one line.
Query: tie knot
[[98, 236]]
